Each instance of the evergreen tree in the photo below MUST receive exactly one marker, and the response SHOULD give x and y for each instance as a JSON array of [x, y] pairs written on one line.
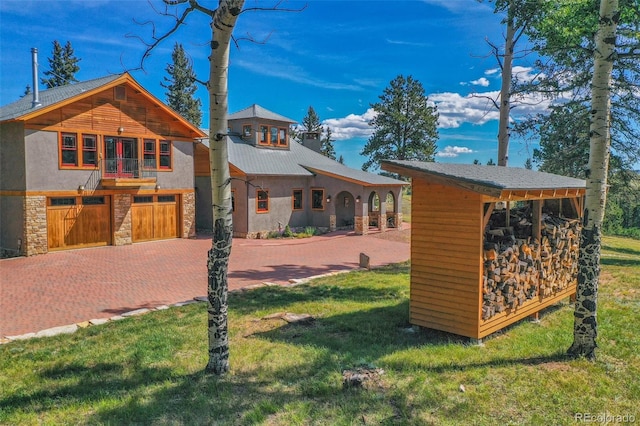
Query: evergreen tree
[[27, 91], [181, 85], [528, 164], [311, 121], [341, 159], [490, 162], [327, 145], [404, 126], [63, 66]]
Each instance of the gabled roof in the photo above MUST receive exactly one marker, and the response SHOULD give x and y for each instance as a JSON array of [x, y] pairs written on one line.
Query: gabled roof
[[256, 111], [56, 97], [52, 96], [296, 161], [484, 179]]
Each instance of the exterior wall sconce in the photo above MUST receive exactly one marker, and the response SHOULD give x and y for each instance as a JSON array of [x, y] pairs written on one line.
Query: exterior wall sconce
[[157, 186], [120, 130], [81, 188], [328, 198], [358, 199]]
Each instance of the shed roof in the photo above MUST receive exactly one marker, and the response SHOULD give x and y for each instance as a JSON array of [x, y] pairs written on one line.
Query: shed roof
[[298, 160], [256, 111], [484, 179]]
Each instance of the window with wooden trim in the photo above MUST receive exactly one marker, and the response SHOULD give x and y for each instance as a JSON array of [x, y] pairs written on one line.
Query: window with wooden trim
[[264, 133], [165, 155], [296, 199], [262, 201], [317, 199], [78, 152], [120, 93], [282, 136], [69, 149], [246, 131], [149, 153], [89, 150], [62, 201]]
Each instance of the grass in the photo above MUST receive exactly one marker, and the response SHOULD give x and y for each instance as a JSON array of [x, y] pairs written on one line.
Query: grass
[[406, 207], [148, 369]]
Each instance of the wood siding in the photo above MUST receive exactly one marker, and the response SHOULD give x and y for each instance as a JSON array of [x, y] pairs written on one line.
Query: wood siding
[[101, 113], [446, 258], [154, 220]]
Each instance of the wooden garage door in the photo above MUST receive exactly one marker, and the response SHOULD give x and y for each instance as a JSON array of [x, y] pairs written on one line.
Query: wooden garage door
[[154, 217], [78, 222]]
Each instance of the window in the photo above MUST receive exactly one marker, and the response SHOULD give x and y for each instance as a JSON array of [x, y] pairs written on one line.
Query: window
[[317, 199], [274, 136], [262, 201], [139, 199], [282, 136], [62, 201], [166, 198], [89, 151], [264, 131], [69, 149], [246, 131], [149, 153], [120, 93], [297, 199], [92, 201], [165, 154]]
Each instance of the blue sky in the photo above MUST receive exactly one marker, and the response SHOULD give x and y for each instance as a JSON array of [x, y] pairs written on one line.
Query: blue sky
[[337, 56]]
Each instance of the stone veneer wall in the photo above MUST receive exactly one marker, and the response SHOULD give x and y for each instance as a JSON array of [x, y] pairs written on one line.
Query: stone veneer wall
[[332, 222], [121, 219], [35, 225], [189, 215], [382, 222]]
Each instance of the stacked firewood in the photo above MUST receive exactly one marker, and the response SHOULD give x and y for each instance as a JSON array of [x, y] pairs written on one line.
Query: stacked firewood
[[518, 269]]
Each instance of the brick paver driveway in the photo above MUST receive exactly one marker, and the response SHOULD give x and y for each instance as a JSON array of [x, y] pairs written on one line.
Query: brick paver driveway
[[67, 287]]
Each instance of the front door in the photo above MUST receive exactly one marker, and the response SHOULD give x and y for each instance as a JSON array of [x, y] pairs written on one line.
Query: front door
[[121, 157]]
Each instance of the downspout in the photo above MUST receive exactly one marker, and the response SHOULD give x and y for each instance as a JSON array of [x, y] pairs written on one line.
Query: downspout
[[36, 92]]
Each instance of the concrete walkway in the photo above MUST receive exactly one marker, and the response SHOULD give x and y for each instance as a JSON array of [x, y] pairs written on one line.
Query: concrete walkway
[[69, 287]]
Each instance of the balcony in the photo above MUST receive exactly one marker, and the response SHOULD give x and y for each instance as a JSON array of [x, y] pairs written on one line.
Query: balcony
[[127, 173]]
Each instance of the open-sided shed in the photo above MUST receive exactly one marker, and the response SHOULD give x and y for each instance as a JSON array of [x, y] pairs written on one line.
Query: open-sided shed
[[489, 245]]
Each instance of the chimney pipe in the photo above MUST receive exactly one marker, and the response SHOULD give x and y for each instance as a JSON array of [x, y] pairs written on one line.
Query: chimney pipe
[[36, 92]]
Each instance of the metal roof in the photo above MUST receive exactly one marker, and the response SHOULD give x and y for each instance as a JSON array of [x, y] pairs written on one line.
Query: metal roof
[[298, 160], [256, 111], [51, 97], [503, 178]]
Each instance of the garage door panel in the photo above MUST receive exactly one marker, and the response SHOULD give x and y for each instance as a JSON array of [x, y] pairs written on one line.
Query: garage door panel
[[166, 220], [142, 222], [77, 225], [154, 217]]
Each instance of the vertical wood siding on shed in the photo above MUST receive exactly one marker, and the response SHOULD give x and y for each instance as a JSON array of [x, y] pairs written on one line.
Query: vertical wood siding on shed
[[446, 258]]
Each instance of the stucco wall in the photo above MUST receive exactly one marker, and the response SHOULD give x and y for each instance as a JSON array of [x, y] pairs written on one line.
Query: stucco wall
[[12, 164], [11, 222], [182, 174]]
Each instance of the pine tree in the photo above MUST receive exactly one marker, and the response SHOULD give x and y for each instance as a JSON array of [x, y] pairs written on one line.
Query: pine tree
[[528, 164], [311, 121], [405, 126], [63, 66], [181, 85], [327, 145], [341, 159]]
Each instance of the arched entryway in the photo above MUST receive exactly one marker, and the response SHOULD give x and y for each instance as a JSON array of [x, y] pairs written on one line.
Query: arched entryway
[[374, 210], [390, 204], [345, 210]]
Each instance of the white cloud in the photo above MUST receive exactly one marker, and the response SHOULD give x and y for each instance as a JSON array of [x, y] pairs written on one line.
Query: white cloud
[[492, 71], [351, 126], [480, 82], [454, 151]]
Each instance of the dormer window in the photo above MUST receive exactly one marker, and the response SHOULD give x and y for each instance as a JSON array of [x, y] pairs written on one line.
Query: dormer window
[[246, 131], [273, 136]]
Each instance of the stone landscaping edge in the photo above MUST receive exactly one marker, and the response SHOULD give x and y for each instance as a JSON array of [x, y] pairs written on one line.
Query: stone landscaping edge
[[72, 328]]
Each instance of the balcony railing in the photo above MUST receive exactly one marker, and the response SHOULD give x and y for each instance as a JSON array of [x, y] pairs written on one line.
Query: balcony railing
[[128, 168]]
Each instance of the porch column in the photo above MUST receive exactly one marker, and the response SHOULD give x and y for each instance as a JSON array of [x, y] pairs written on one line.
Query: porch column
[[35, 225]]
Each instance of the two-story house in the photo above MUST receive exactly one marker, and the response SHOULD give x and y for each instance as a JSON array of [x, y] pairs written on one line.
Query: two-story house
[[278, 182], [101, 162]]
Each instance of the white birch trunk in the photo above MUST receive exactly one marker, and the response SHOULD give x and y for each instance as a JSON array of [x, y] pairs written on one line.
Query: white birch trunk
[[505, 90], [222, 26], [585, 314]]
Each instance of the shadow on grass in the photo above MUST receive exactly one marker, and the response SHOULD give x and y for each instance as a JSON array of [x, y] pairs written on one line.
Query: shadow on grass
[[623, 250], [614, 261]]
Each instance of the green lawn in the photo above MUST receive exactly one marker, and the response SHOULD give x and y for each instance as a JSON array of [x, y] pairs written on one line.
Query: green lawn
[[148, 369]]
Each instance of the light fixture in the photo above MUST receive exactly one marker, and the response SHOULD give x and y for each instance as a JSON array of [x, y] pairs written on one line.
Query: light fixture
[[120, 130], [358, 199], [157, 186], [328, 198], [80, 188]]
